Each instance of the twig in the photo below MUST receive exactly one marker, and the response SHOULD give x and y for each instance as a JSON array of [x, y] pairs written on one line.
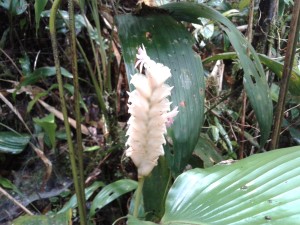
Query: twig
[[6, 194]]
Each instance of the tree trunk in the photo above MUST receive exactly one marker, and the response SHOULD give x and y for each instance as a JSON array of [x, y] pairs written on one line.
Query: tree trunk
[[267, 14]]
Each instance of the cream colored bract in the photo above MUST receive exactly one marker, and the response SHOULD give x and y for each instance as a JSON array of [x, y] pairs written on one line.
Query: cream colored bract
[[149, 109]]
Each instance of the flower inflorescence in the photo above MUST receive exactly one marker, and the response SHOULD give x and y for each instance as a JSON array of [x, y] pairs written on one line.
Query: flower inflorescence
[[150, 113]]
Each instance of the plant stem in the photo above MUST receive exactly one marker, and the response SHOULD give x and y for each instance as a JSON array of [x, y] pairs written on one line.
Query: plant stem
[[139, 193], [79, 148], [52, 27], [287, 69]]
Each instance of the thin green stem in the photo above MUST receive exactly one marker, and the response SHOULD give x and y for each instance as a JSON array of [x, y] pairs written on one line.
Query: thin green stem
[[52, 27], [81, 200], [138, 197]]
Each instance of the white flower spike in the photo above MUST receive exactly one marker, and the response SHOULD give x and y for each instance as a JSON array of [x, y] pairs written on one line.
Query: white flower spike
[[150, 113]]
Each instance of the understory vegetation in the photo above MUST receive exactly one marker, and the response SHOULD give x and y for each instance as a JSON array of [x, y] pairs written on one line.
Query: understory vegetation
[[149, 112]]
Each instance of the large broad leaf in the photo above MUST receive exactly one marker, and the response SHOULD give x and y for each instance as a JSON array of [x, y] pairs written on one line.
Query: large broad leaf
[[168, 42], [261, 189], [254, 78], [13, 143]]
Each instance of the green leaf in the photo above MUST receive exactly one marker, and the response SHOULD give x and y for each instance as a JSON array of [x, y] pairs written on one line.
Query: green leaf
[[72, 203], [4, 38], [43, 72], [82, 4], [36, 99], [273, 65], [15, 7], [275, 92], [39, 6], [62, 21], [206, 150], [55, 219], [243, 4], [169, 43], [294, 131], [49, 126], [134, 221], [254, 78], [277, 68], [25, 65], [281, 7], [261, 189], [112, 192], [224, 134], [92, 148], [13, 143], [288, 2], [7, 183], [214, 133]]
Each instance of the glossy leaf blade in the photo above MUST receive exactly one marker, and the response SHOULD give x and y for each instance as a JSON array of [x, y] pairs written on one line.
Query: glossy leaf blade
[[111, 192], [168, 42], [13, 143], [261, 189], [254, 78], [89, 191]]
